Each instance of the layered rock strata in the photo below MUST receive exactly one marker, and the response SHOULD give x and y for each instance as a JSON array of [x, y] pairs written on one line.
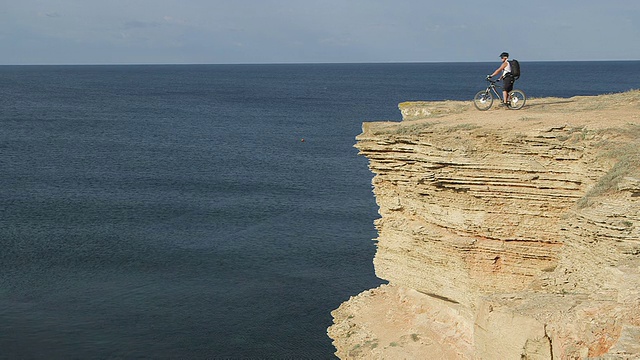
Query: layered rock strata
[[503, 234]]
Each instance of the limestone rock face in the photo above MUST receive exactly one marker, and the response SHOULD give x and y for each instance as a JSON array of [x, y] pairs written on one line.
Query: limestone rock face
[[503, 234]]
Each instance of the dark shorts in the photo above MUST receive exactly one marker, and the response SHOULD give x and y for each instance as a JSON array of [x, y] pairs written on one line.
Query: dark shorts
[[508, 83]]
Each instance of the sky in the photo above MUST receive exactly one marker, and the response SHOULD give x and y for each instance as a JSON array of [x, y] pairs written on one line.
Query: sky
[[319, 31]]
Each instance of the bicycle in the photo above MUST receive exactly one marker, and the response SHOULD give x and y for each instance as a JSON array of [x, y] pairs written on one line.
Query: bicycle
[[484, 98]]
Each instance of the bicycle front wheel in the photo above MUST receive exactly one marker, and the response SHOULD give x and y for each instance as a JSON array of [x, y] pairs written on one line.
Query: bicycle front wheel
[[517, 98], [483, 100]]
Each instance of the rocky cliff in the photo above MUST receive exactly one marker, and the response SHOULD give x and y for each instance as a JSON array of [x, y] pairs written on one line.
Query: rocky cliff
[[503, 234]]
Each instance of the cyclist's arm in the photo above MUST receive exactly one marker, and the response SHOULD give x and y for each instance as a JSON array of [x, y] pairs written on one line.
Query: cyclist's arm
[[499, 70]]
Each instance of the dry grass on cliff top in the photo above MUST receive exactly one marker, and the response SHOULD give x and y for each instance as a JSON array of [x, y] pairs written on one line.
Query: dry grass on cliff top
[[593, 112], [590, 113]]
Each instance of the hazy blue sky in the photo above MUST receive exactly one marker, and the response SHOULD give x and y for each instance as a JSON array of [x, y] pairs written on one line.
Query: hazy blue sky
[[287, 31]]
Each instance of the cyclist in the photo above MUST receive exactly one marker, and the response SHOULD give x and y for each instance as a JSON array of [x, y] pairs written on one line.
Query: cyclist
[[506, 76]]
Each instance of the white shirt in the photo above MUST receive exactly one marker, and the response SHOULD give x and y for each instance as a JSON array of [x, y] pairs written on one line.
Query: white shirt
[[507, 69]]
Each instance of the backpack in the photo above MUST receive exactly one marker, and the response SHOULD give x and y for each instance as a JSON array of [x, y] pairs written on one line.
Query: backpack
[[515, 69]]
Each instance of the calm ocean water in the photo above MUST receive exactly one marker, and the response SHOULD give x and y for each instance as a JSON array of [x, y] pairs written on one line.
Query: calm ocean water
[[174, 212]]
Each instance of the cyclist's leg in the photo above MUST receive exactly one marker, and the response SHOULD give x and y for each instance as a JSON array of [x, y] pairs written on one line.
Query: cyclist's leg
[[508, 86]]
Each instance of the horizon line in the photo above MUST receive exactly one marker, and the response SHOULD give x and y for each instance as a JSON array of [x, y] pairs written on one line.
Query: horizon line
[[304, 63]]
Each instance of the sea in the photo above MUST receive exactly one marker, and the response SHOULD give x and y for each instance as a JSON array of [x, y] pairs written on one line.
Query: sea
[[205, 211]]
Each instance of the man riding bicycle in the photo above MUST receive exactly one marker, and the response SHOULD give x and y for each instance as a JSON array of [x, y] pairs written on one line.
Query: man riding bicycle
[[506, 76]]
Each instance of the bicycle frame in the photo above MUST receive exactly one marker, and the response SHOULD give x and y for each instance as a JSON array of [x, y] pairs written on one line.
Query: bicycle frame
[[493, 86]]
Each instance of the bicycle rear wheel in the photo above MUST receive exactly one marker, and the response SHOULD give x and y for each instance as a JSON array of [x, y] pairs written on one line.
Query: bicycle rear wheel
[[517, 98], [483, 100]]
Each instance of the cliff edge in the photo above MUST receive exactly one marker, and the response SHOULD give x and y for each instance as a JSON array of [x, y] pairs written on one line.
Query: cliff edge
[[503, 234]]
